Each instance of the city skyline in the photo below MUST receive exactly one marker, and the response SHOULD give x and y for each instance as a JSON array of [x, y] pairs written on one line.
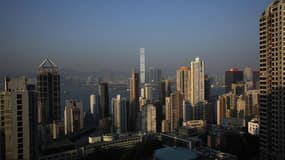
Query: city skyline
[[172, 34]]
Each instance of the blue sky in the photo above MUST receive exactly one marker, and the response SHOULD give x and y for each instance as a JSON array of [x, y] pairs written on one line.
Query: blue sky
[[96, 35]]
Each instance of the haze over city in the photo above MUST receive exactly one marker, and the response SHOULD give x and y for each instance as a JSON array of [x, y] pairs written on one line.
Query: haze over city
[[106, 35]]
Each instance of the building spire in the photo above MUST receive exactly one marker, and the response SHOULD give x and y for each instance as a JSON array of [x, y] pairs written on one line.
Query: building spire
[[47, 63]]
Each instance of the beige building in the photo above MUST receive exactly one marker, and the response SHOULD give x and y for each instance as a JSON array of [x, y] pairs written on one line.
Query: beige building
[[73, 116], [149, 118], [18, 122], [183, 81], [197, 84], [119, 119]]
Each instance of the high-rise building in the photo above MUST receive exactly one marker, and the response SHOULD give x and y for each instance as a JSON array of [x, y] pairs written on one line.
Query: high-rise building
[[255, 79], [73, 116], [207, 88], [142, 65], [247, 74], [148, 94], [149, 118], [167, 108], [119, 107], [94, 104], [272, 82], [134, 100], [176, 110], [197, 84], [18, 122], [233, 75], [187, 111], [48, 87], [154, 75], [221, 110], [103, 100], [164, 90], [183, 81]]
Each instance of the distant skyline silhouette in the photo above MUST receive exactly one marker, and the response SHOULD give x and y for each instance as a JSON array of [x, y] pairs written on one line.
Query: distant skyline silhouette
[[106, 34]]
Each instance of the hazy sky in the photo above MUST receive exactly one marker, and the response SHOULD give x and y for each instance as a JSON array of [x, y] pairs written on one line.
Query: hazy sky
[[95, 35]]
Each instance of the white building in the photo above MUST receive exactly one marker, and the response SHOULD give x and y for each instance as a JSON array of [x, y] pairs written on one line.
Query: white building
[[119, 110], [197, 90], [253, 127], [73, 116], [142, 66]]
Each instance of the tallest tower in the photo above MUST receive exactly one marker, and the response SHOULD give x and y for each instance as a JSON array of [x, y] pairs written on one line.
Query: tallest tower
[[142, 66], [48, 87], [272, 81]]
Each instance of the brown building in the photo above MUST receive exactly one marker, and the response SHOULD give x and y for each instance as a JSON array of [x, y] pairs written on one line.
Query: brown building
[[134, 100], [183, 81], [176, 111], [272, 81]]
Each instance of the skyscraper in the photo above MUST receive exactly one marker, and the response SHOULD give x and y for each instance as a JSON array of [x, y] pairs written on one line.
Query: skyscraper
[[18, 122], [142, 65], [134, 100], [272, 82], [183, 81], [149, 118], [153, 75], [164, 90], [197, 84], [233, 75], [48, 87], [176, 110], [103, 100], [247, 74], [119, 107], [73, 116]]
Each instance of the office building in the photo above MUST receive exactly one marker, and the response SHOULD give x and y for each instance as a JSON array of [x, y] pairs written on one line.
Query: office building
[[48, 87], [18, 122], [103, 100], [272, 82], [183, 81], [154, 75], [134, 100], [119, 119], [94, 109], [232, 75], [142, 66], [73, 116]]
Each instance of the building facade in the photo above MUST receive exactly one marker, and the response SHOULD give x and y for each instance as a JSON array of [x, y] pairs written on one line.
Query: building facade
[[142, 66], [73, 116], [18, 122], [48, 87], [272, 82], [119, 120], [183, 81], [134, 100]]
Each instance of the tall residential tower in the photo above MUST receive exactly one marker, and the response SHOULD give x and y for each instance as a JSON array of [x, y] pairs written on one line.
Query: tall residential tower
[[272, 81]]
